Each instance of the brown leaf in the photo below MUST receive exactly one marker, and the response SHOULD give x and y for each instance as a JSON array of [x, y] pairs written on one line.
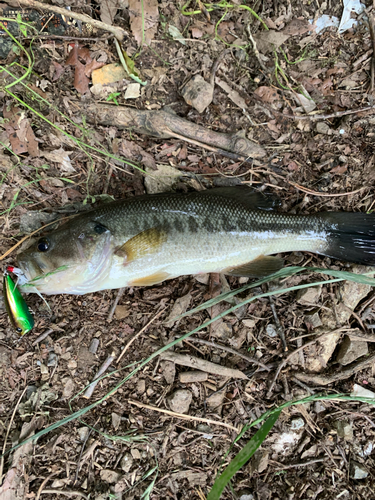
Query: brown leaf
[[147, 10], [19, 132], [297, 27], [108, 10], [267, 94]]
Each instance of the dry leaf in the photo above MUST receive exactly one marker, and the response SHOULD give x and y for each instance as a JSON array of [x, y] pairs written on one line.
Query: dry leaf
[[147, 12], [62, 157], [269, 40], [19, 132], [108, 10]]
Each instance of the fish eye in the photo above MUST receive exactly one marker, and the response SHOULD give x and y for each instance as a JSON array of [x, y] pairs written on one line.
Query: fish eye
[[99, 228], [18, 329], [43, 245]]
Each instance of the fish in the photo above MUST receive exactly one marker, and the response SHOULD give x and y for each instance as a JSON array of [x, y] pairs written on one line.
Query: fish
[[16, 307], [144, 240]]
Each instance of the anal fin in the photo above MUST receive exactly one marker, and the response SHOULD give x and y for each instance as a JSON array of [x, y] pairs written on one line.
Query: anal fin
[[153, 279], [257, 268]]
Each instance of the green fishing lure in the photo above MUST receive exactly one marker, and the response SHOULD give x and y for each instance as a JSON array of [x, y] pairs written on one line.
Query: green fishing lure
[[16, 307]]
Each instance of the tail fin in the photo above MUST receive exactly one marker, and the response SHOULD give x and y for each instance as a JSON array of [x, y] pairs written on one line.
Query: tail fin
[[351, 236]]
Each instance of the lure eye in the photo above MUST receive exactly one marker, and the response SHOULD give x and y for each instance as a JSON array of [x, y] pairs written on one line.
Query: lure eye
[[43, 245], [19, 330]]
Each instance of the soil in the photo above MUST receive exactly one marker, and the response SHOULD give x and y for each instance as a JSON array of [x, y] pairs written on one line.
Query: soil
[[320, 162]]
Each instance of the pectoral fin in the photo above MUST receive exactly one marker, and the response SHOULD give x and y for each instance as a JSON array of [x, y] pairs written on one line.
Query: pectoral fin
[[153, 279], [257, 268], [145, 243]]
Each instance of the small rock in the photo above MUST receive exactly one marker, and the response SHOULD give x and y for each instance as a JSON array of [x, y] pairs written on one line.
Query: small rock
[[323, 128], [297, 423], [313, 320], [133, 91], [72, 364], [286, 442], [110, 73], [198, 93], [135, 454], [247, 496], [141, 386], [109, 476], [43, 369], [360, 391], [310, 452], [69, 387], [179, 307], [83, 433], [344, 430], [202, 278], [168, 369], [357, 470], [52, 359], [271, 331], [216, 400], [308, 296], [126, 462], [350, 350], [180, 400], [116, 420], [319, 407], [94, 346], [249, 323]]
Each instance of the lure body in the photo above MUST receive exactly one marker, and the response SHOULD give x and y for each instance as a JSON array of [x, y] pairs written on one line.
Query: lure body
[[16, 307]]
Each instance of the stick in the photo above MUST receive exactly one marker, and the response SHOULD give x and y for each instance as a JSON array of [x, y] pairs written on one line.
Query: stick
[[118, 32], [203, 365], [318, 379], [88, 393], [138, 334], [120, 293], [232, 351], [182, 415], [284, 362]]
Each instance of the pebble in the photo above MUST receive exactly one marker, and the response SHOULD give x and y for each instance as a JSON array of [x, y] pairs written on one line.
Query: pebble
[[180, 401], [357, 470], [297, 423]]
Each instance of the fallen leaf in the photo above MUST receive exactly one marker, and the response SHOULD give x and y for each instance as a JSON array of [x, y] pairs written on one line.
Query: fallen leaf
[[267, 94], [62, 157], [110, 73], [108, 10], [232, 94], [176, 34], [78, 53], [19, 132], [144, 18], [269, 40], [297, 27]]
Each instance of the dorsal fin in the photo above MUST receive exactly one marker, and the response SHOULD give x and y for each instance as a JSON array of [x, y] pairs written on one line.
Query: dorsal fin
[[244, 195]]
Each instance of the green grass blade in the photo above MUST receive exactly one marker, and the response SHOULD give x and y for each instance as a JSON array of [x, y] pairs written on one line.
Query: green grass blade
[[242, 457], [283, 273]]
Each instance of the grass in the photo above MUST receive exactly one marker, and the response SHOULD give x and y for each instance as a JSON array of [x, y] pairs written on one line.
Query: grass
[[269, 417]]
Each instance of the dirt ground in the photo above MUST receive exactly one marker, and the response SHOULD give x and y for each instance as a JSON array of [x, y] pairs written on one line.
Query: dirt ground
[[324, 161]]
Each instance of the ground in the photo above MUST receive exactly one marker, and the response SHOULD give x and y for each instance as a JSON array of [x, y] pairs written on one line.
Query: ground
[[309, 105]]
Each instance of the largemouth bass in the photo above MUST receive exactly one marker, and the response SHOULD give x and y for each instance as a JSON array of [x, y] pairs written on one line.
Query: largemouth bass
[[148, 239]]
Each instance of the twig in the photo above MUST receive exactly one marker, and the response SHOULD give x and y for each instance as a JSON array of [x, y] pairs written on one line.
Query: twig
[[67, 493], [203, 365], [138, 334], [44, 482], [7, 434], [256, 51], [42, 336], [232, 351], [88, 393], [120, 293], [118, 32], [316, 117], [319, 379], [279, 328], [302, 464], [216, 65], [182, 415], [371, 22], [284, 361], [317, 193]]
